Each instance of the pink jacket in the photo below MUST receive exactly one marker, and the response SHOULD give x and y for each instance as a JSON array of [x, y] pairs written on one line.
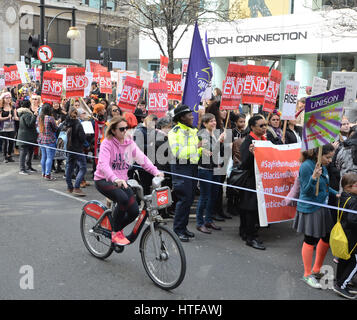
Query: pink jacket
[[115, 159]]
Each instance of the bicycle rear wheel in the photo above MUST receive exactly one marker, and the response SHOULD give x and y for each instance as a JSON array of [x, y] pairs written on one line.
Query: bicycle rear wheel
[[97, 242], [167, 270]]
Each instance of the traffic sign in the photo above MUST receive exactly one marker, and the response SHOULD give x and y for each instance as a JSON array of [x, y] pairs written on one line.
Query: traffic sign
[[45, 54]]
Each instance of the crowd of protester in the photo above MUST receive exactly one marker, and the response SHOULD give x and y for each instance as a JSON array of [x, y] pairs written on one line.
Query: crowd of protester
[[194, 151]]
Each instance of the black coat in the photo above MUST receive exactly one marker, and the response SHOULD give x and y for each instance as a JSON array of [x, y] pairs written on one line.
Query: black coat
[[77, 137], [248, 200], [27, 127], [162, 144], [349, 220], [290, 135], [272, 136]]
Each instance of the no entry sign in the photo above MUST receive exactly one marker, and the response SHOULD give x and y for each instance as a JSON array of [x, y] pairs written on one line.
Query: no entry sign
[[45, 54]]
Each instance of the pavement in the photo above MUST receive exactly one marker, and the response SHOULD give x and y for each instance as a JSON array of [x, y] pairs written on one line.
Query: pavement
[[39, 223]]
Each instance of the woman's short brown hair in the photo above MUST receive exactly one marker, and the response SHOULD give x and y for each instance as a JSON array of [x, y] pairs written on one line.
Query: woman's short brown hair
[[207, 117], [348, 179], [112, 125]]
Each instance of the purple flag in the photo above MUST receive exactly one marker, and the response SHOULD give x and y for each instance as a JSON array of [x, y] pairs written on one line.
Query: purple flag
[[198, 77]]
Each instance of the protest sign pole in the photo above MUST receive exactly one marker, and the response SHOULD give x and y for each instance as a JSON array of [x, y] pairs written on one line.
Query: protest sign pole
[[228, 115], [85, 106], [269, 115], [284, 130], [319, 155]]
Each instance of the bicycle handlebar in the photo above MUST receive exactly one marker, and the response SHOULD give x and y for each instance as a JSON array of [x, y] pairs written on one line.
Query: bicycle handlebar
[[156, 183], [132, 183]]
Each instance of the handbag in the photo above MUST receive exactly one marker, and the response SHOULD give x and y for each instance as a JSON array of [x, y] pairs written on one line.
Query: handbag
[[338, 239], [238, 177]]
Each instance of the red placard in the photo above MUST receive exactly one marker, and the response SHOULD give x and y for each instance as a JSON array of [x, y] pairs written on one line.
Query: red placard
[[97, 67], [76, 82], [130, 94], [158, 102], [164, 63], [233, 87], [12, 76], [174, 86], [96, 77], [255, 85], [105, 82], [277, 169], [272, 91], [52, 86]]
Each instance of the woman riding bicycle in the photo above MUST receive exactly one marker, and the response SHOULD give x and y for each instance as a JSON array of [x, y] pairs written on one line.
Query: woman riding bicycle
[[117, 154]]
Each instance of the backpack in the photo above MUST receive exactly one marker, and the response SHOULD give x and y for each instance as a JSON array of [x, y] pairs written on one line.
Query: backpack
[[63, 143], [338, 239]]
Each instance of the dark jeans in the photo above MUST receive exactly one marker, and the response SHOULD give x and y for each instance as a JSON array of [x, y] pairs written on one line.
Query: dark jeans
[[126, 209], [26, 152], [218, 189], [346, 270], [208, 196], [184, 189], [72, 160], [8, 145]]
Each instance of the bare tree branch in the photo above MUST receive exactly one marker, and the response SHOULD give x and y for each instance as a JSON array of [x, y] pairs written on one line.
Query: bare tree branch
[[162, 20]]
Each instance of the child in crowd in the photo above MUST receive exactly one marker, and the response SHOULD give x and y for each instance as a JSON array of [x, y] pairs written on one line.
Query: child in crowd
[[347, 269]]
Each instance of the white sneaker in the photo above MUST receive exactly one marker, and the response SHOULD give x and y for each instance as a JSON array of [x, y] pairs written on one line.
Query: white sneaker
[[24, 172], [312, 281]]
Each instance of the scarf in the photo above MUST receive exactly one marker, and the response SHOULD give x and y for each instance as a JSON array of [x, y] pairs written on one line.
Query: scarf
[[255, 137], [278, 132]]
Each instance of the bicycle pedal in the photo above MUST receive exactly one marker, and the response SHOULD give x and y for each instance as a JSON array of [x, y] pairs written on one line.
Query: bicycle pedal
[[118, 249]]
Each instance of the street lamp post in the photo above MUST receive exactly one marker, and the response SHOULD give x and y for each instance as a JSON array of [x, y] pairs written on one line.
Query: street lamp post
[[72, 33]]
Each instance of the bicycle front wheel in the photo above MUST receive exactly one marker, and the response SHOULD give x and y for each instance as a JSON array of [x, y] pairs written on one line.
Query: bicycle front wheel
[[168, 269], [97, 242]]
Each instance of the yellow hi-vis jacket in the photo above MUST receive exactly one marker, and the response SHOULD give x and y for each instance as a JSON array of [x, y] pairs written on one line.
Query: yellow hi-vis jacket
[[183, 141]]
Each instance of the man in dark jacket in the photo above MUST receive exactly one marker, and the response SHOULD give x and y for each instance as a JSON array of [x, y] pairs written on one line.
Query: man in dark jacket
[[76, 138], [27, 133]]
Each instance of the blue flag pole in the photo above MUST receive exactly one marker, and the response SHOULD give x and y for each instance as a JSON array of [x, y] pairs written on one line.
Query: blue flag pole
[[198, 77]]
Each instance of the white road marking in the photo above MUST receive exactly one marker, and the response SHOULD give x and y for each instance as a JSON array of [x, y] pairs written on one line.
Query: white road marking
[[68, 195]]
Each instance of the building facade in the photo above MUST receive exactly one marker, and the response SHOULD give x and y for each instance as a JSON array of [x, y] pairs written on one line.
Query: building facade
[[21, 18], [300, 38]]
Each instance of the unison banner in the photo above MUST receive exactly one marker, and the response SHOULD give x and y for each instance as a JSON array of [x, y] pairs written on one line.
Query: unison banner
[[322, 120], [276, 168], [52, 87], [233, 87], [174, 87], [130, 94], [76, 82], [272, 91], [158, 102], [255, 84]]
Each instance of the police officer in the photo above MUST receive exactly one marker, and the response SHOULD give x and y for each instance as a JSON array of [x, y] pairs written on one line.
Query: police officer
[[186, 151]]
